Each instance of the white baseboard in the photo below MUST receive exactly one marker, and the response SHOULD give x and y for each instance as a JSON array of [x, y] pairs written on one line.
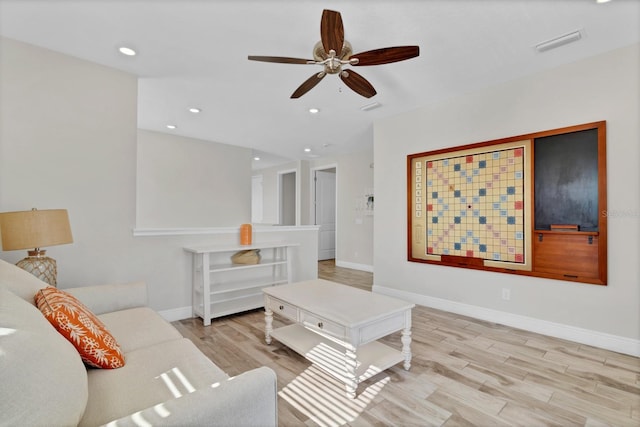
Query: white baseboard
[[584, 336], [174, 314], [354, 266]]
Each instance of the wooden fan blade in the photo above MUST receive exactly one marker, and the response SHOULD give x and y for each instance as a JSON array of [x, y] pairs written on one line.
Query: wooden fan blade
[[332, 31], [386, 55], [280, 59], [357, 83], [308, 84]]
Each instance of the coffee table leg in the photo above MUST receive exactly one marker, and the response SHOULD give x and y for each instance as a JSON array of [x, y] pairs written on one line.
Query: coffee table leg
[[406, 347], [268, 324], [351, 363]]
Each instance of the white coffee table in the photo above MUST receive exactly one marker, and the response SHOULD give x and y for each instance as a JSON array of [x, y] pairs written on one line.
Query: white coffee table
[[337, 327]]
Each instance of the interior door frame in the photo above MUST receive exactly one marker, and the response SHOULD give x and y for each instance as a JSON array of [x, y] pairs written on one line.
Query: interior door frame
[[312, 200]]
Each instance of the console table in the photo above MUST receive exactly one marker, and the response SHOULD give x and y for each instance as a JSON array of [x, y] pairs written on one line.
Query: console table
[[221, 288], [334, 323]]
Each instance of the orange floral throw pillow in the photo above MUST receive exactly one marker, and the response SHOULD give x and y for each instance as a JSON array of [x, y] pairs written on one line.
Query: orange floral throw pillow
[[81, 327]]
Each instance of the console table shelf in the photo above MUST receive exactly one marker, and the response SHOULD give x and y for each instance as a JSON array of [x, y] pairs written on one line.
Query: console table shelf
[[373, 357], [221, 288], [232, 267]]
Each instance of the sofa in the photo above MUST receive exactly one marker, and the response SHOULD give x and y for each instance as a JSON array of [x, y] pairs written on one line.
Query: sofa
[[165, 379]]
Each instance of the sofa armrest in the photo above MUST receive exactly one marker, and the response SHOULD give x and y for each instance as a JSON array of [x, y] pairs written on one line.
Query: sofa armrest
[[249, 399], [107, 298]]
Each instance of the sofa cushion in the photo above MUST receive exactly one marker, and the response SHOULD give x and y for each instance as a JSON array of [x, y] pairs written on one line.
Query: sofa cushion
[[102, 299], [151, 376], [138, 328], [43, 380], [97, 347], [19, 281]]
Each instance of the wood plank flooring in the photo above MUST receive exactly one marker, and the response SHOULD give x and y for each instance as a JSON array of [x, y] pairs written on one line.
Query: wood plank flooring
[[465, 372]]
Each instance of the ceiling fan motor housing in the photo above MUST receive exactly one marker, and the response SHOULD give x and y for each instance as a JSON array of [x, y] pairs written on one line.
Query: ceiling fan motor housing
[[334, 63]]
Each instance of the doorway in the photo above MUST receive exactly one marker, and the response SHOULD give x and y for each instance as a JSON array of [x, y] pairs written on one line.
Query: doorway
[[287, 198], [324, 186]]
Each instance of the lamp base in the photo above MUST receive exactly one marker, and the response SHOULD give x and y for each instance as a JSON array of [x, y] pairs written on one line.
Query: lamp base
[[41, 266]]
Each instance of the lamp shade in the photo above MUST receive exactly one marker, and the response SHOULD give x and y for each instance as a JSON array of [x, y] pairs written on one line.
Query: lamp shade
[[34, 229]]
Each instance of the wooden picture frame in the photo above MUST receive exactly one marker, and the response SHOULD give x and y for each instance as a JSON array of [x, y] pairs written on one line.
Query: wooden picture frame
[[493, 205]]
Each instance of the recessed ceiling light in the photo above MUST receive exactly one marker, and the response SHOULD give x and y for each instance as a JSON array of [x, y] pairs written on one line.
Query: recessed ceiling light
[[256, 158], [603, 1], [314, 110], [307, 150], [171, 126], [127, 51], [194, 110]]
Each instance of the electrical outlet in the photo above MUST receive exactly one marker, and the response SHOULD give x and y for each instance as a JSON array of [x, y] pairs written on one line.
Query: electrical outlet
[[506, 294]]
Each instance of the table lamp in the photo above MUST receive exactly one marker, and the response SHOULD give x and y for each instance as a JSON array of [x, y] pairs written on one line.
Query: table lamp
[[32, 230]]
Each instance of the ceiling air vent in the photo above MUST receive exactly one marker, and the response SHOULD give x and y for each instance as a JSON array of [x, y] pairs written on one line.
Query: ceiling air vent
[[370, 106], [559, 41]]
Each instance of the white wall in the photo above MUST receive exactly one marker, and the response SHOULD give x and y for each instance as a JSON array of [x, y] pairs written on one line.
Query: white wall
[[604, 87], [179, 185], [68, 140]]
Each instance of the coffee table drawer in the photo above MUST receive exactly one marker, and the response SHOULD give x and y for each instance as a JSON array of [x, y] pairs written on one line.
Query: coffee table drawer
[[323, 326], [284, 309]]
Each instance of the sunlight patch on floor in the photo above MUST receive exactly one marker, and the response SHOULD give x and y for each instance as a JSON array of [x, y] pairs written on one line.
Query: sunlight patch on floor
[[323, 399]]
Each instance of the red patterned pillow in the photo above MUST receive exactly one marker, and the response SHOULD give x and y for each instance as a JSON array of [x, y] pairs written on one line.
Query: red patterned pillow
[[81, 327]]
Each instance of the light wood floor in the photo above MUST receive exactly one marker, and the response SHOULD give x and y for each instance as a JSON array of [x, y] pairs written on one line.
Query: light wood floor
[[464, 372]]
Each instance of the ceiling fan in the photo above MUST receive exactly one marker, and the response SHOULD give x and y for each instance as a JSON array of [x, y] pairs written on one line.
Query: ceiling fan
[[333, 52]]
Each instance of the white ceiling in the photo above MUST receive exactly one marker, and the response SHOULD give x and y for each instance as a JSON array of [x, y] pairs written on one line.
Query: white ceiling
[[194, 53]]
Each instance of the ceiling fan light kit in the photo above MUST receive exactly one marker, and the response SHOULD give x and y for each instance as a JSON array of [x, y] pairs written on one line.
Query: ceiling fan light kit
[[333, 53]]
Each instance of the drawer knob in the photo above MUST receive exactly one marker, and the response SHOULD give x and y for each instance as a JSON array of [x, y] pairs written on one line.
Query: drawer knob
[[320, 325], [281, 307]]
